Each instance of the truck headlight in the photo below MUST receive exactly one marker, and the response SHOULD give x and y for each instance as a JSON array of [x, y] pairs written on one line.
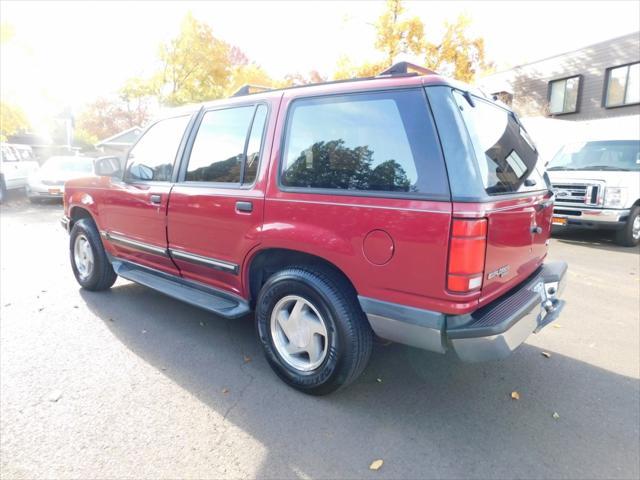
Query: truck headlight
[[615, 197]]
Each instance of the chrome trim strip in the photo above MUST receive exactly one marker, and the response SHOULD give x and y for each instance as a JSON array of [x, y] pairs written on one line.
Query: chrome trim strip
[[206, 261], [359, 205], [128, 242]]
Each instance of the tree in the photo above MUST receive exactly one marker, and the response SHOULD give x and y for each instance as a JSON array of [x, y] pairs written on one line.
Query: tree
[[457, 54], [138, 97], [12, 120], [104, 118], [196, 65], [395, 35]]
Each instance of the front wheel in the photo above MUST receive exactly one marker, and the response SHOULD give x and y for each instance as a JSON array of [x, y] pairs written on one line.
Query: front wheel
[[89, 261], [313, 331], [629, 235]]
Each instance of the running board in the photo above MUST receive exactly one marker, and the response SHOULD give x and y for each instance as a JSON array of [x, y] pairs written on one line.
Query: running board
[[205, 297]]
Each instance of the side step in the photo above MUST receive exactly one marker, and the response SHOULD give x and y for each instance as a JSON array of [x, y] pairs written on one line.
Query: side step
[[210, 299]]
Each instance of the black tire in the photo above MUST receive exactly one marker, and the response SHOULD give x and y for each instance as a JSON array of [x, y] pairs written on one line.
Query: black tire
[[624, 236], [101, 276], [349, 339]]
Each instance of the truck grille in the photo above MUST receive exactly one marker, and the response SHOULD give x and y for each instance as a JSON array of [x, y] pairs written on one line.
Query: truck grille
[[577, 194]]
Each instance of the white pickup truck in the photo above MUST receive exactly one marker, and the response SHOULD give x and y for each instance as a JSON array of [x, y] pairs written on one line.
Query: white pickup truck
[[16, 164], [597, 185]]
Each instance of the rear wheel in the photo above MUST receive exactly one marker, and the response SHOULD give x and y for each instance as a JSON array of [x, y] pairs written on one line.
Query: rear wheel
[[89, 261], [313, 331], [629, 235]]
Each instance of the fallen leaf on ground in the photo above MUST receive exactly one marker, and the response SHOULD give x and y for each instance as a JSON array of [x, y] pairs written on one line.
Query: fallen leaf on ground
[[515, 395], [376, 464], [54, 396], [555, 415], [40, 309], [247, 359], [556, 325], [379, 380], [76, 306], [225, 390], [111, 320], [546, 354]]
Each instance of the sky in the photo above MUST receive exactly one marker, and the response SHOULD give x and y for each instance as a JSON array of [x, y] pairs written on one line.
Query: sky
[[69, 53]]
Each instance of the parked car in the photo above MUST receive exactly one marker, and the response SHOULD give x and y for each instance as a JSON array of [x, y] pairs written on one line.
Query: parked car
[[406, 205], [15, 167], [597, 185], [48, 181]]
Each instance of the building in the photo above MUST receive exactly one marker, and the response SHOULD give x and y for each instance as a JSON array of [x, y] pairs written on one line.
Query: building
[[119, 143], [575, 95]]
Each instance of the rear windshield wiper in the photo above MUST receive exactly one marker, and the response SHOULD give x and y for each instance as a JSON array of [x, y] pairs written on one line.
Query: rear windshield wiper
[[561, 168], [604, 167]]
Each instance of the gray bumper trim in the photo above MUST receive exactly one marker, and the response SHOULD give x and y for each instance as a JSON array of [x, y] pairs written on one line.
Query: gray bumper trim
[[473, 342], [591, 215], [407, 325]]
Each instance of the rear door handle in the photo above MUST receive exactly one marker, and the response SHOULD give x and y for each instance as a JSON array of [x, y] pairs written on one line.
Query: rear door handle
[[156, 199], [244, 207]]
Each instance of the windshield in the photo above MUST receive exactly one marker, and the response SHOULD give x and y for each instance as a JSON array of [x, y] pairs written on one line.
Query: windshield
[[68, 165], [621, 155]]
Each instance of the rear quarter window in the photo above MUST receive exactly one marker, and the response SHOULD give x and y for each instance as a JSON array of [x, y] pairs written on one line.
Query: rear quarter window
[[367, 143]]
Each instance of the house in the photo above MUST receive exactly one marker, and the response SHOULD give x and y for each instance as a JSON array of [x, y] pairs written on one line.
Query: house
[[593, 92], [119, 143]]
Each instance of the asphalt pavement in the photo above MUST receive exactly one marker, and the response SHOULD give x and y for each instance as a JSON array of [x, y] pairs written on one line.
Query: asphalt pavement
[[132, 384]]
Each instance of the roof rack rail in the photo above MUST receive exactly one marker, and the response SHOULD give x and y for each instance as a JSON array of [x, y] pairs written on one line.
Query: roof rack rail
[[249, 89], [406, 68]]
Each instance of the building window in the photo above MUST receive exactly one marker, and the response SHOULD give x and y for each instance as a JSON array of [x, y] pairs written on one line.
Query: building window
[[623, 85], [563, 95]]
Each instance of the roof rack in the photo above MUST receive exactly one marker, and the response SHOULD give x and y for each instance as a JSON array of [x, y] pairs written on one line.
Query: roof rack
[[401, 69], [406, 68], [248, 89]]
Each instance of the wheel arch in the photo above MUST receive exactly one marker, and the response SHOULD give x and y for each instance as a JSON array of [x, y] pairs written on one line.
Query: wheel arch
[[265, 262]]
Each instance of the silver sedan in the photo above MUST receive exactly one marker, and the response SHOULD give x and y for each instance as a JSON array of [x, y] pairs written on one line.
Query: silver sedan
[[48, 180]]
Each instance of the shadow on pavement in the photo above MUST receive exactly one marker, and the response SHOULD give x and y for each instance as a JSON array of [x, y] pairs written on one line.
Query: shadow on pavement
[[600, 239], [426, 415]]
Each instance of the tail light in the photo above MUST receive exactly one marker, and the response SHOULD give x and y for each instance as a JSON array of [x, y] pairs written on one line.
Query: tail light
[[466, 255]]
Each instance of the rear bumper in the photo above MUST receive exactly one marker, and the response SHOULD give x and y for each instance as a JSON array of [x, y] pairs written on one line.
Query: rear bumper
[[492, 332], [592, 217]]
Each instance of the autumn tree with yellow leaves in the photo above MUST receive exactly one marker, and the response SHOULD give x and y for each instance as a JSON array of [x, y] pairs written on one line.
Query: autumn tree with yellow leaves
[[456, 53]]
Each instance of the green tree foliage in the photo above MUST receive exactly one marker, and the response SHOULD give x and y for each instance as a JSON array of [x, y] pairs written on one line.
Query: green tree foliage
[[12, 120], [333, 165]]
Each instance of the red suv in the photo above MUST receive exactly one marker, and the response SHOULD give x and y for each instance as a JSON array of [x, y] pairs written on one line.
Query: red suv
[[405, 205]]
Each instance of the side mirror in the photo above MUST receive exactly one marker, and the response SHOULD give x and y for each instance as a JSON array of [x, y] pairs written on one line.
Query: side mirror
[[108, 167]]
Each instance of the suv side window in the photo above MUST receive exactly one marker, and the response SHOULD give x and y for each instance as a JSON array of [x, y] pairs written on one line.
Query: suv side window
[[224, 139], [153, 156], [367, 142]]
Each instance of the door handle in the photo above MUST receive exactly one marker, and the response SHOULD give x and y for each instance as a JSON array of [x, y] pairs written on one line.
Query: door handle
[[156, 199], [536, 230], [244, 207]]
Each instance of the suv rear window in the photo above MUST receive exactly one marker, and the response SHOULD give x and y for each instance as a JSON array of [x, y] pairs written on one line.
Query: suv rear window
[[367, 142], [505, 155]]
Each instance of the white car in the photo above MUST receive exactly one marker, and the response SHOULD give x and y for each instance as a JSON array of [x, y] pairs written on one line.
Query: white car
[[48, 181], [597, 185], [16, 164]]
